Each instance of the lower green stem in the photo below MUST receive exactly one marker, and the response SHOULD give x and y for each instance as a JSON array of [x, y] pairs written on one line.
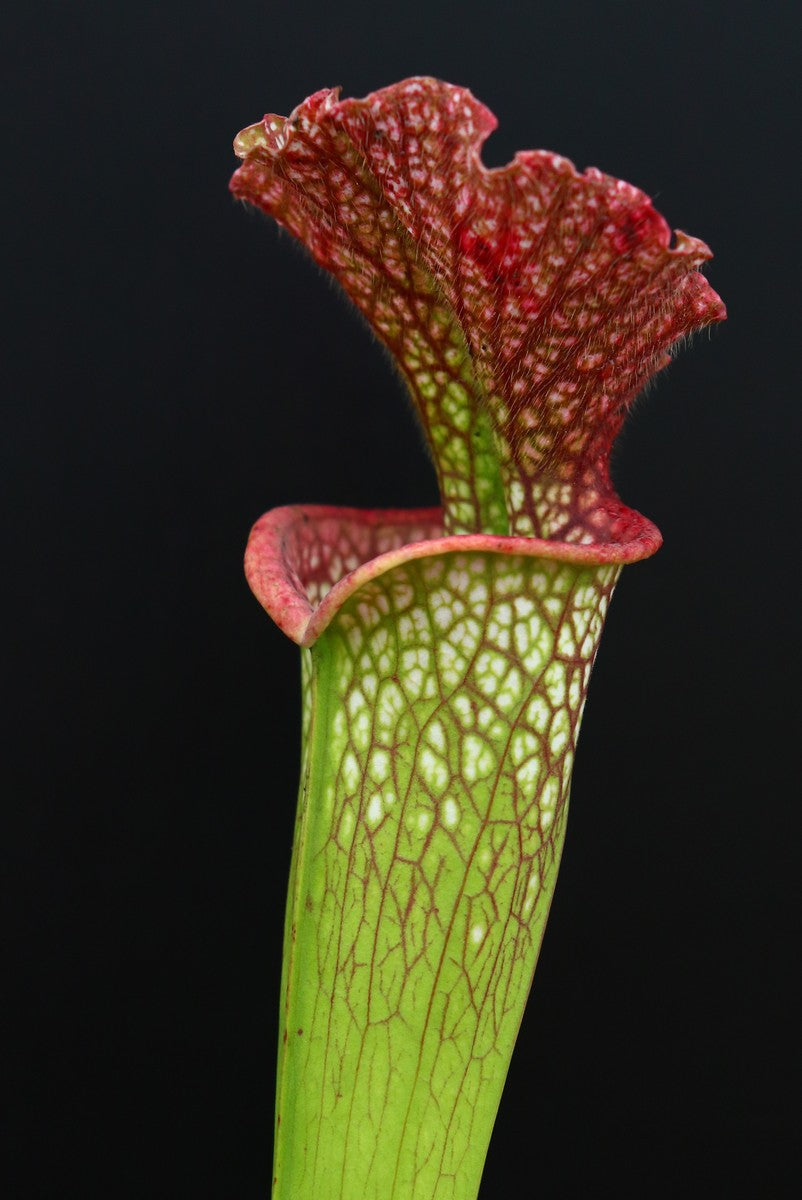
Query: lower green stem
[[444, 702]]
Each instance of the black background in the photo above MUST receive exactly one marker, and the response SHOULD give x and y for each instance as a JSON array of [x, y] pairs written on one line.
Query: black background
[[177, 368]]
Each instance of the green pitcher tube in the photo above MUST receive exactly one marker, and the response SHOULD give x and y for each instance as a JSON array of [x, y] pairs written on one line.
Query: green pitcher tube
[[442, 703]]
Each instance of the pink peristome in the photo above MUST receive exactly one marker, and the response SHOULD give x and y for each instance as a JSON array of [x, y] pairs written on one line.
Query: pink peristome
[[304, 561], [550, 297]]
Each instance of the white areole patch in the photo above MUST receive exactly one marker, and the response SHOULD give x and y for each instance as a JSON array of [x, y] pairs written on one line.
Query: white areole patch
[[443, 617], [391, 704], [424, 820], [375, 810], [559, 732], [511, 691], [436, 737], [351, 772], [457, 579], [379, 766], [524, 607], [548, 800], [478, 759], [462, 706], [450, 813], [370, 682], [434, 770], [555, 683], [361, 730], [538, 714], [566, 645], [527, 774]]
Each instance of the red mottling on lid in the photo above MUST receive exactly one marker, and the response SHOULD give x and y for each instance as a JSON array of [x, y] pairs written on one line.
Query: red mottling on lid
[[545, 297]]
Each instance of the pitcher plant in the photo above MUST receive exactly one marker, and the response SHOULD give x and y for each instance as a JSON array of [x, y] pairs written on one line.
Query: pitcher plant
[[446, 652]]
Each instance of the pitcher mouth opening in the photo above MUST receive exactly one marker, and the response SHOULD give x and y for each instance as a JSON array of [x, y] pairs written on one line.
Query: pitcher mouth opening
[[303, 562]]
